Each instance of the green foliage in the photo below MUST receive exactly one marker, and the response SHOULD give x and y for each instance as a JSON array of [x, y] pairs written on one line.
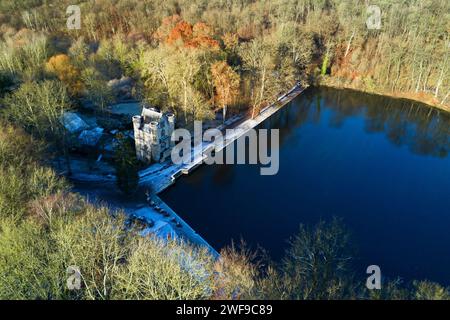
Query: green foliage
[[126, 164], [21, 185], [22, 178], [425, 290], [6, 81], [17, 147], [157, 270], [390, 290], [237, 273], [316, 265], [115, 263], [97, 88], [179, 79], [24, 60], [38, 107], [26, 271], [11, 5], [418, 290], [325, 63], [259, 66], [417, 60], [44, 229]]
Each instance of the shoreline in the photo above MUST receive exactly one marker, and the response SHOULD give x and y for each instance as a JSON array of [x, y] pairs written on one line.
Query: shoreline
[[159, 176], [165, 176], [330, 83]]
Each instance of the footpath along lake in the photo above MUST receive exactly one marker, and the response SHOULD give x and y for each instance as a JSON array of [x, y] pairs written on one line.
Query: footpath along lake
[[380, 164]]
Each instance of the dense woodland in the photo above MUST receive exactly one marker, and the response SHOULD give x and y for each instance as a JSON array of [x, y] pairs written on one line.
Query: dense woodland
[[45, 229], [197, 56], [193, 57]]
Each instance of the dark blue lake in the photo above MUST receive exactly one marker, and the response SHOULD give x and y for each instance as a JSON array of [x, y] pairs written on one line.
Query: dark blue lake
[[380, 164]]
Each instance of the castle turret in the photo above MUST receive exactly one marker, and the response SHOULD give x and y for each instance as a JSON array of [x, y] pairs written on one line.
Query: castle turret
[[171, 120], [155, 132], [137, 122], [139, 137]]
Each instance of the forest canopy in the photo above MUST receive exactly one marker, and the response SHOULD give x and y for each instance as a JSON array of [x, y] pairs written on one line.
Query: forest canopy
[[172, 49], [195, 58]]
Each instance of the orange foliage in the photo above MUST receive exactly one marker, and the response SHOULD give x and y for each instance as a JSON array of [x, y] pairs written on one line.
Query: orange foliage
[[201, 29], [61, 66], [177, 32], [226, 83], [182, 32], [167, 24], [202, 37]]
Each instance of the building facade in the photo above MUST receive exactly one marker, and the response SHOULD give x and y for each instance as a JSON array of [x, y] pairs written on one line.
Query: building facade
[[152, 135]]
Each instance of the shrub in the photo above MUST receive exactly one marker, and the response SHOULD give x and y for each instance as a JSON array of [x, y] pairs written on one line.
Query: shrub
[[62, 67], [316, 265], [426, 290], [38, 107], [24, 60]]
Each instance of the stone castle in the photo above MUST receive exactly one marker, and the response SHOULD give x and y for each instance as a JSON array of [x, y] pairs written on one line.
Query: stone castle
[[152, 133]]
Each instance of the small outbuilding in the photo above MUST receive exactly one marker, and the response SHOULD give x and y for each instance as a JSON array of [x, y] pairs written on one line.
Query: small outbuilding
[[73, 122]]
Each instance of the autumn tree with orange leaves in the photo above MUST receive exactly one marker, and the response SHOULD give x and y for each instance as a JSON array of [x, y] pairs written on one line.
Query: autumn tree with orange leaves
[[177, 32], [177, 73], [226, 84], [62, 67], [167, 24]]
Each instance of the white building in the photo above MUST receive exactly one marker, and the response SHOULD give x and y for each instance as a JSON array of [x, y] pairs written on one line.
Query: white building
[[152, 133]]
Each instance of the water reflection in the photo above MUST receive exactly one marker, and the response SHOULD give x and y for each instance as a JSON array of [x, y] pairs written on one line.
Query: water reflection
[[424, 130], [380, 164]]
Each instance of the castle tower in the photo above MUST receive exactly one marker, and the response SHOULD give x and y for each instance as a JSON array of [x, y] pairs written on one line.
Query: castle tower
[[139, 137], [152, 132], [155, 133], [171, 120]]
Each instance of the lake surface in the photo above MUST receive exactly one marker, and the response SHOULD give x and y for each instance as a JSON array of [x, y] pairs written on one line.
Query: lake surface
[[380, 164]]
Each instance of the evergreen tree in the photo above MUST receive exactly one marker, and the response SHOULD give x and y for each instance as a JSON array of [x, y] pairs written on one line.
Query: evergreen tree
[[126, 165]]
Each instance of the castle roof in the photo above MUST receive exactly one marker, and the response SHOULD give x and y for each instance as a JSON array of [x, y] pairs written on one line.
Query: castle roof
[[151, 114]]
